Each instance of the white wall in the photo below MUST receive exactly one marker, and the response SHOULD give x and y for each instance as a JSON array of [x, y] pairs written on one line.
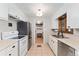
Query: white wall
[[32, 21], [14, 10], [73, 15], [4, 26], [60, 12], [72, 11], [46, 27], [4, 11]]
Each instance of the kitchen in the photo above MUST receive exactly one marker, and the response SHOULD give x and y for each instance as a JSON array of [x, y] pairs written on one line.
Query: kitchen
[[27, 28]]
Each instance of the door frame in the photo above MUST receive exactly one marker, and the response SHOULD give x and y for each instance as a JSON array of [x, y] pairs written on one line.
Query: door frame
[[35, 32]]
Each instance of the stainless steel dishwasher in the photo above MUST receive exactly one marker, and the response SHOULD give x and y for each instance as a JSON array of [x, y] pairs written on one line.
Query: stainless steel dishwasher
[[65, 50]]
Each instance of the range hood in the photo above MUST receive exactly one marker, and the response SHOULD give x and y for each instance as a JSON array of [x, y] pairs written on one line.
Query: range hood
[[11, 16]]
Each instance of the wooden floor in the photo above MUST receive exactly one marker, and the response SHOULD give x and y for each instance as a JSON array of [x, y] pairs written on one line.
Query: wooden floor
[[39, 40], [40, 49]]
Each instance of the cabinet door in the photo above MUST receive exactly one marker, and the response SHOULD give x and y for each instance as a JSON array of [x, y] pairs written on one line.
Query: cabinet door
[[55, 46], [50, 43], [3, 11], [76, 52], [13, 50], [3, 53], [49, 40]]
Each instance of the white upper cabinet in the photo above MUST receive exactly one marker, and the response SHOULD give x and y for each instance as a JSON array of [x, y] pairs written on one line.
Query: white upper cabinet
[[3, 11], [16, 12]]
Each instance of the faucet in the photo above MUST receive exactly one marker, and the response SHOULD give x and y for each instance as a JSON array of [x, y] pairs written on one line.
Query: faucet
[[62, 36]]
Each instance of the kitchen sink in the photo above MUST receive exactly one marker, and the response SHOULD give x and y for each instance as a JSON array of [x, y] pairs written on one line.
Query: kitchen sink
[[60, 37], [55, 36]]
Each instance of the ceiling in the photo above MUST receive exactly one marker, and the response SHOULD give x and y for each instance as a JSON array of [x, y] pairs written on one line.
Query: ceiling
[[30, 9]]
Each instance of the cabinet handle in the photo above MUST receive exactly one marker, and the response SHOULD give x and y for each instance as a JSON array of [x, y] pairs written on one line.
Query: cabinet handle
[[52, 41], [13, 47], [9, 54]]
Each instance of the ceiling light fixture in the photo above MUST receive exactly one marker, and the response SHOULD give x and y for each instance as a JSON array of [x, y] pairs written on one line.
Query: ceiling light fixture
[[39, 22], [39, 13]]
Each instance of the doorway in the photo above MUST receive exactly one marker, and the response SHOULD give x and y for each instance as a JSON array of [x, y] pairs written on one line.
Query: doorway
[[39, 32]]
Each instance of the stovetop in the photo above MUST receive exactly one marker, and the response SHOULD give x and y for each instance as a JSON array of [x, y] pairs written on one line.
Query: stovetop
[[18, 37]]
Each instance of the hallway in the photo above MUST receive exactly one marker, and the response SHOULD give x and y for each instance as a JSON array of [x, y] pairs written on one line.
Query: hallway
[[39, 40], [40, 49]]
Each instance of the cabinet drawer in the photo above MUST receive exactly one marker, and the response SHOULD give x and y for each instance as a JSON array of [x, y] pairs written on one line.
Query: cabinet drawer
[[12, 53], [3, 52], [13, 47], [8, 53]]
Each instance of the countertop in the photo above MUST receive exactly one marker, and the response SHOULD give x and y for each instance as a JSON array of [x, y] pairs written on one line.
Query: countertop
[[5, 43], [72, 40]]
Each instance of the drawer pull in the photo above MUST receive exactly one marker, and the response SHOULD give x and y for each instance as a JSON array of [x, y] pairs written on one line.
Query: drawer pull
[[51, 40], [13, 47], [9, 54]]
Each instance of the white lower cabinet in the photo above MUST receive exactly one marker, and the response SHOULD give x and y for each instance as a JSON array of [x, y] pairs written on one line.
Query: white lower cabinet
[[23, 46], [76, 52], [12, 53], [53, 43], [3, 53], [11, 50]]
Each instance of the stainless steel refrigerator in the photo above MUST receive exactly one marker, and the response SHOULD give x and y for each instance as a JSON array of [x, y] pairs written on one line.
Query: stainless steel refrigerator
[[24, 28]]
